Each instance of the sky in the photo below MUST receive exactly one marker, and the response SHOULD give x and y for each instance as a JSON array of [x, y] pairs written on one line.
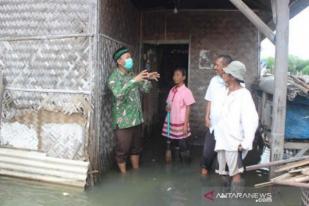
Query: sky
[[298, 37]]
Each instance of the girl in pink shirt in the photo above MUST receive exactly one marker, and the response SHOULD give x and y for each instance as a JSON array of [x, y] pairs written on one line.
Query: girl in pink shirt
[[179, 100]]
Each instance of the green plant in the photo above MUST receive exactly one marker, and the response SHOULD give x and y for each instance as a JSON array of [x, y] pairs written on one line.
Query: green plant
[[306, 70], [296, 65]]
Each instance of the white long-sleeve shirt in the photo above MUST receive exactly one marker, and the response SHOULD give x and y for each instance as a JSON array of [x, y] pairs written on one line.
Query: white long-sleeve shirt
[[215, 95], [237, 122]]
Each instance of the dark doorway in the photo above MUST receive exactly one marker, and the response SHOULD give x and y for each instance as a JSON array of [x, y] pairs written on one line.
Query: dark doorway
[[164, 58], [170, 56]]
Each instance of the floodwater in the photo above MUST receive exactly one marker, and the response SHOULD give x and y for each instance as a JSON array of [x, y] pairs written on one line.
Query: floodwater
[[155, 184]]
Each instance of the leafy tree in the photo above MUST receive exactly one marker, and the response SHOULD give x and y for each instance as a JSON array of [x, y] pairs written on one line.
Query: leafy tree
[[296, 64], [306, 70], [270, 63], [293, 62]]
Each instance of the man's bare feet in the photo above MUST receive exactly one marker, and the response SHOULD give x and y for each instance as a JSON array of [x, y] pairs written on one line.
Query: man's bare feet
[[135, 161], [204, 172]]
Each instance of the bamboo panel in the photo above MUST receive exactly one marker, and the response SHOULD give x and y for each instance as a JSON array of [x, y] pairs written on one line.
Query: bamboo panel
[[66, 103], [57, 134], [19, 136], [63, 140], [37, 17], [47, 64]]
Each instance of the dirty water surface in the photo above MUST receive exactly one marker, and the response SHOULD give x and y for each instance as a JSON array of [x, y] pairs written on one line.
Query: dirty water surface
[[155, 183]]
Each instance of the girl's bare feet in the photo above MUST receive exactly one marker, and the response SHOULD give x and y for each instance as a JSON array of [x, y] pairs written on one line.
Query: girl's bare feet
[[168, 156]]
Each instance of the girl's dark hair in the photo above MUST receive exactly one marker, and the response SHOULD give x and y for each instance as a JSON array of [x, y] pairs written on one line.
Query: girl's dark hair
[[182, 70]]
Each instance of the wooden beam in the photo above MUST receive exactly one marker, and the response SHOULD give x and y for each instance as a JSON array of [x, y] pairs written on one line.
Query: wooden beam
[[275, 163], [301, 152], [255, 19], [280, 84], [292, 184], [1, 93], [293, 165], [274, 11], [263, 184], [296, 145]]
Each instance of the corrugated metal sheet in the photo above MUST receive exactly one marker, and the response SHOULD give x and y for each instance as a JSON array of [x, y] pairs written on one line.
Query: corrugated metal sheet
[[38, 166]]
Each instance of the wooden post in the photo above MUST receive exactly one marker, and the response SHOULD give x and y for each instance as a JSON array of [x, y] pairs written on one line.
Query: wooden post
[[274, 11], [281, 76], [1, 95], [255, 19]]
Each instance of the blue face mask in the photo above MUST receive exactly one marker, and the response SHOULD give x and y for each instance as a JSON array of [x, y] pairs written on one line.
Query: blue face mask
[[128, 64]]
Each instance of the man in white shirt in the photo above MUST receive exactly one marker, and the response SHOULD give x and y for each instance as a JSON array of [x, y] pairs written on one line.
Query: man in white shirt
[[214, 98], [237, 123]]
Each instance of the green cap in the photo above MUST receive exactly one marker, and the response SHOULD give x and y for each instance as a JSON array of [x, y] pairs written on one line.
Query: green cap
[[120, 52]]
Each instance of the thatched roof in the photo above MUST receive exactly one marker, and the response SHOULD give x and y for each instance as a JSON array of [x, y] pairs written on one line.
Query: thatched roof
[[297, 85]]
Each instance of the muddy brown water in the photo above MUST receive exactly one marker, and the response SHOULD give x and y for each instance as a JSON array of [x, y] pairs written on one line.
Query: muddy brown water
[[154, 184]]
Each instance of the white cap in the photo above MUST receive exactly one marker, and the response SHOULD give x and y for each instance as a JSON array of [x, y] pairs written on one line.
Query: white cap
[[237, 69]]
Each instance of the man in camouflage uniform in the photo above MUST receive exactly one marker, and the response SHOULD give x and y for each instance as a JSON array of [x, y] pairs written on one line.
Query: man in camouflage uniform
[[127, 109]]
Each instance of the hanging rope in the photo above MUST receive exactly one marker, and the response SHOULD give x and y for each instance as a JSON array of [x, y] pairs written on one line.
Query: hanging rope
[[168, 124]]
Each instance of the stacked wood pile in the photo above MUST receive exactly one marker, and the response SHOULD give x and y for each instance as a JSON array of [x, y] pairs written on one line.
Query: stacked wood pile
[[298, 86], [295, 174]]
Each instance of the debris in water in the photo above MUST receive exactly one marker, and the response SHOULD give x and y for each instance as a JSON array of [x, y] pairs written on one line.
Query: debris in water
[[65, 194], [169, 189]]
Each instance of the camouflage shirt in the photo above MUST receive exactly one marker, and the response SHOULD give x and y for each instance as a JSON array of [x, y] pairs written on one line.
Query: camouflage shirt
[[126, 105]]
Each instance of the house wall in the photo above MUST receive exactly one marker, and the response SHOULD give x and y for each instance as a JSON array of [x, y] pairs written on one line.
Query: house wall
[[45, 59], [55, 58], [219, 32]]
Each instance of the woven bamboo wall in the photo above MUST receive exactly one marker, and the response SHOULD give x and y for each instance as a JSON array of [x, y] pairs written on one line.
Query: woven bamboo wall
[[46, 60], [56, 56]]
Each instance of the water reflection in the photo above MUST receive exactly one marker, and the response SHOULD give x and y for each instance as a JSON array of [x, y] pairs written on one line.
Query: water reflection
[[155, 184]]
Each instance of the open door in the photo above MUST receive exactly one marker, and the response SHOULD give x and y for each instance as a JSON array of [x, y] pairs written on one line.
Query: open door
[[150, 101], [163, 58]]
